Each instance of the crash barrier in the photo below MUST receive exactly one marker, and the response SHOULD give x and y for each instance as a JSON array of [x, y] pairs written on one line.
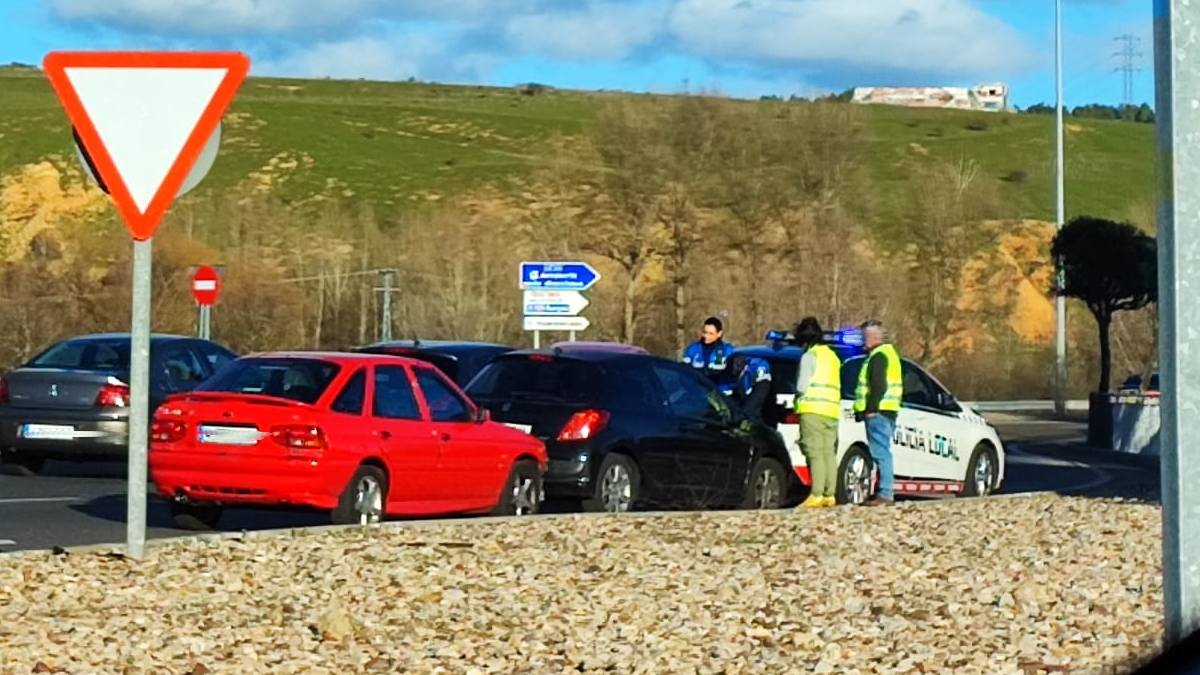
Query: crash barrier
[[1023, 406], [1135, 422]]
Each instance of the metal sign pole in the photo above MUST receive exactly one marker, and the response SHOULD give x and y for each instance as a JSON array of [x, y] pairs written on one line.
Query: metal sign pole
[[537, 339], [139, 410], [1178, 125], [205, 332], [572, 336]]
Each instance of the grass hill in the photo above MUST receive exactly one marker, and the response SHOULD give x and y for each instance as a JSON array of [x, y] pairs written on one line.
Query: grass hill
[[394, 144], [972, 283]]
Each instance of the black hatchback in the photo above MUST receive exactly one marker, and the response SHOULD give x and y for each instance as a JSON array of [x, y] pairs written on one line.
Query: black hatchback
[[625, 430], [459, 360]]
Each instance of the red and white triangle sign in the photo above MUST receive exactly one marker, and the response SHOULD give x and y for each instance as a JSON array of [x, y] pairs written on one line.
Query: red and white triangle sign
[[144, 118]]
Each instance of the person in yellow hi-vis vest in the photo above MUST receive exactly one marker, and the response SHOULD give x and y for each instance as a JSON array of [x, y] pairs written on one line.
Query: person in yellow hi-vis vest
[[877, 402], [819, 404]]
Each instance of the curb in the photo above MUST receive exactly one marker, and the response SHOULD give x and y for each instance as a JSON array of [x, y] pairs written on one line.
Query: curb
[[212, 538]]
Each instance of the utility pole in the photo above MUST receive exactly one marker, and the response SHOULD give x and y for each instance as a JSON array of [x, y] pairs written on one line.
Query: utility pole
[[1177, 87], [1060, 303], [1128, 53], [385, 321]]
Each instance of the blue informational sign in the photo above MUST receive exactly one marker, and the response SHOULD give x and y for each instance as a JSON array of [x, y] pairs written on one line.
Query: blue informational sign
[[562, 276]]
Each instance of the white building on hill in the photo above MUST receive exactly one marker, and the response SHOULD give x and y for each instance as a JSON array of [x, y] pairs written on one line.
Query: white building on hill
[[988, 97]]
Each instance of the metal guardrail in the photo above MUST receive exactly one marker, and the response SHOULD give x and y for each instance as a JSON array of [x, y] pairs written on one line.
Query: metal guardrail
[[1022, 406]]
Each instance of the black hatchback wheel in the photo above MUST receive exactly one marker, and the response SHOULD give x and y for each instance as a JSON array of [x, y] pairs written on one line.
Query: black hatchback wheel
[[768, 485], [616, 489]]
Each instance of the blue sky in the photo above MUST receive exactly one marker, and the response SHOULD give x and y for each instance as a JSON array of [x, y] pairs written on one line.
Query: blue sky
[[736, 47]]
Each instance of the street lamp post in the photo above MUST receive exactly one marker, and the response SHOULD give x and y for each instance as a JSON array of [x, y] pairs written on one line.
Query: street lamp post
[[1060, 302]]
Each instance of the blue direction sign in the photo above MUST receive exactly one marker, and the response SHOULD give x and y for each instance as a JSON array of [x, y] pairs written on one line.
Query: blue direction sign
[[559, 276]]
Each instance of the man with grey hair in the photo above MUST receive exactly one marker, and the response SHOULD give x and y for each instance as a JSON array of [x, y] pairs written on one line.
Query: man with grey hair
[[877, 402]]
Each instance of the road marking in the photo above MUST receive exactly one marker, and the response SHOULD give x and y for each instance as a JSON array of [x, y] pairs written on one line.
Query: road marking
[[30, 500]]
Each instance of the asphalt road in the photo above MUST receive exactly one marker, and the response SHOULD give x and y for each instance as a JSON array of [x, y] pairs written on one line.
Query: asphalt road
[[79, 504]]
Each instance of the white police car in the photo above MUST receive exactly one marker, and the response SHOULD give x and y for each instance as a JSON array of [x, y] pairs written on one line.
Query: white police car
[[940, 447]]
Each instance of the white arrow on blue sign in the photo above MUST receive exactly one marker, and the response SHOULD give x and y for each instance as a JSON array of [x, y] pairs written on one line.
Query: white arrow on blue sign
[[558, 276], [553, 303]]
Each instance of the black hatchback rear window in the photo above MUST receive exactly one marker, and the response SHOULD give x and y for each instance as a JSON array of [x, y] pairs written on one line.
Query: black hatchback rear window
[[537, 377], [301, 380]]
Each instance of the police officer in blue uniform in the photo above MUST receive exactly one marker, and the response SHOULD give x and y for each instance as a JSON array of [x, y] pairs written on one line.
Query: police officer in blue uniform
[[753, 385], [710, 354]]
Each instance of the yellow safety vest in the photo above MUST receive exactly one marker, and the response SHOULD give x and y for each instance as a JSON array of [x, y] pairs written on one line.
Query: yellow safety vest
[[824, 393], [895, 381]]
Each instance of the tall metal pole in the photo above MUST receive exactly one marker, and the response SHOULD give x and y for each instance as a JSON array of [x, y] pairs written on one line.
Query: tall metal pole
[[139, 410], [1060, 303], [1177, 78], [385, 332]]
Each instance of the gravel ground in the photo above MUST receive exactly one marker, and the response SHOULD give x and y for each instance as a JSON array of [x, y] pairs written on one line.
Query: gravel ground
[[1021, 585]]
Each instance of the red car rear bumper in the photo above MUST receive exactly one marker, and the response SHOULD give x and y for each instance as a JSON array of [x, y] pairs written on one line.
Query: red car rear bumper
[[229, 479]]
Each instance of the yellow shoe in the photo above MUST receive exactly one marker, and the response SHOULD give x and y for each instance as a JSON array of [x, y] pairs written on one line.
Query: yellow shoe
[[828, 501], [813, 502]]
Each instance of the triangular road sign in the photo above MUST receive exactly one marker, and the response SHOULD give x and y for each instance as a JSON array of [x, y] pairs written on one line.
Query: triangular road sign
[[144, 118]]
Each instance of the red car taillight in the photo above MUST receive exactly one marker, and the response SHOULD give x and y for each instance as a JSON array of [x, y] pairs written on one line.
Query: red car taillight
[[167, 431], [113, 396], [583, 425], [300, 438], [3, 390]]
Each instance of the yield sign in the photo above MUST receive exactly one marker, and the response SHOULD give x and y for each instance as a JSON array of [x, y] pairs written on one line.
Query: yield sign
[[144, 118]]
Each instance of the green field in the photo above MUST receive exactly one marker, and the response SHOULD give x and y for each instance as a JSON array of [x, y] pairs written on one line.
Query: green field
[[395, 144]]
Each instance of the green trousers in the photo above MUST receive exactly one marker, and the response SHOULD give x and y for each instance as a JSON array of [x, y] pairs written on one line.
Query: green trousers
[[818, 441]]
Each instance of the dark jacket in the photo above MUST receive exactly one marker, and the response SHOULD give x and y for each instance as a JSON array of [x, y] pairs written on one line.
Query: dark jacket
[[876, 386]]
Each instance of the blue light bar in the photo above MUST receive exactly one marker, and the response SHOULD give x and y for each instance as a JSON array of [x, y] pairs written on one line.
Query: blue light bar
[[776, 335], [851, 337]]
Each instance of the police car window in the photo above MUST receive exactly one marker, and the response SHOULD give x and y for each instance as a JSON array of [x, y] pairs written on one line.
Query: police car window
[[686, 394], [918, 390], [850, 376]]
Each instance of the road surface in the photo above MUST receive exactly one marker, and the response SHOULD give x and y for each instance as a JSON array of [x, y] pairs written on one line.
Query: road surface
[[79, 504]]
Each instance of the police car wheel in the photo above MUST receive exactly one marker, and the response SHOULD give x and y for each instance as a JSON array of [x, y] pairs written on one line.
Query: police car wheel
[[981, 472], [768, 485], [854, 476]]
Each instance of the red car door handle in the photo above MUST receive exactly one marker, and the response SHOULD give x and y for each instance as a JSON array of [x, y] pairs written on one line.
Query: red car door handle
[[385, 435], [445, 437]]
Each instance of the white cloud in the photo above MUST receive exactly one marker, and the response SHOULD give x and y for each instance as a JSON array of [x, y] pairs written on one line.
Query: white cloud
[[394, 57], [948, 37], [213, 17], [217, 18], [602, 31]]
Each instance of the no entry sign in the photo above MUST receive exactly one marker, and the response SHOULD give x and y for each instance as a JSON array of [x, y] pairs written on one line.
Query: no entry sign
[[206, 286]]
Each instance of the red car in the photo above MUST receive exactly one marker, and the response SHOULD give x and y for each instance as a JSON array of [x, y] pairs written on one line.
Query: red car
[[361, 435]]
